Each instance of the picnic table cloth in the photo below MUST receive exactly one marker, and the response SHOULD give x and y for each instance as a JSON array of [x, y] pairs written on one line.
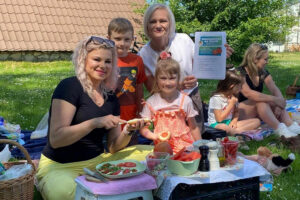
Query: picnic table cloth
[[250, 169]]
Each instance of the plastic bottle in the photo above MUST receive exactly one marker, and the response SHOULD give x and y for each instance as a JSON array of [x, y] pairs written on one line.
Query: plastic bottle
[[1, 121], [298, 94]]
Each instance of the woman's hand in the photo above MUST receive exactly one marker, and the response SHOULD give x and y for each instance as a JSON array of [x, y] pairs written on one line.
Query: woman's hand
[[135, 126], [189, 82], [229, 50], [108, 121], [277, 112], [280, 101]]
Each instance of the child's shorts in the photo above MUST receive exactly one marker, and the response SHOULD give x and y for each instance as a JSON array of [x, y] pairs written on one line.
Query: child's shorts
[[226, 121]]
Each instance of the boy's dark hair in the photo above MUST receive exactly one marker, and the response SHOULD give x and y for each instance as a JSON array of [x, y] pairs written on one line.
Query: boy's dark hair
[[120, 25], [232, 78]]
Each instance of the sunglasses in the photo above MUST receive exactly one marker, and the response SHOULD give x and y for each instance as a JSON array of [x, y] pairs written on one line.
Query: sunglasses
[[99, 40], [263, 47]]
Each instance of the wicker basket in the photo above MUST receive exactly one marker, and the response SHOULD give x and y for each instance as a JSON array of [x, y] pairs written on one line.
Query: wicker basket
[[291, 90], [18, 188]]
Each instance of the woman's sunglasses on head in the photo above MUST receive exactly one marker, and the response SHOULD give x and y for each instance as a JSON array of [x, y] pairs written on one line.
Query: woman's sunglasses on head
[[99, 40], [263, 46]]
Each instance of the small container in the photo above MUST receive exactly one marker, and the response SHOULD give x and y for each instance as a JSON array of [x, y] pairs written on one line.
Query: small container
[[1, 121], [298, 94], [183, 168], [221, 154], [157, 160], [230, 150]]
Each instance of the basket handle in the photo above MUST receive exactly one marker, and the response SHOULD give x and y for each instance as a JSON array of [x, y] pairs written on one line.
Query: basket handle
[[296, 80], [24, 151]]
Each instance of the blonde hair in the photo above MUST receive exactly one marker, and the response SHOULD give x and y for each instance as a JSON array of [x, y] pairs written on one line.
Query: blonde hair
[[83, 48], [150, 10], [168, 66], [254, 52]]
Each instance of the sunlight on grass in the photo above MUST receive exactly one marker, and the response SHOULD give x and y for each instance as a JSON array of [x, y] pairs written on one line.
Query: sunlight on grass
[[26, 90]]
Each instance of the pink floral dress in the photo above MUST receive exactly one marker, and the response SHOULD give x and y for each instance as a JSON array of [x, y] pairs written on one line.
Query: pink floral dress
[[175, 122]]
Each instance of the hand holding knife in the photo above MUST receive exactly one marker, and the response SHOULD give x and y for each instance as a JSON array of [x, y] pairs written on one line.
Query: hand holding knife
[[95, 175]]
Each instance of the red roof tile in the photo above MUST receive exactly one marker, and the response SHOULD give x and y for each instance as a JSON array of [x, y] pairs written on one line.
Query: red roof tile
[[57, 25]]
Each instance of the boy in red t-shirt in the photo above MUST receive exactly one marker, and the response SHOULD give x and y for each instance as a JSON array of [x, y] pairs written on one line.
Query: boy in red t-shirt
[[132, 72]]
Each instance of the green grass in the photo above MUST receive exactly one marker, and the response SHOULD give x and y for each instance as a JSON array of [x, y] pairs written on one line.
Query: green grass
[[26, 90]]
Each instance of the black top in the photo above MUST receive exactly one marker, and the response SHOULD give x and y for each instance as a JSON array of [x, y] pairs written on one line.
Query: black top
[[91, 145], [262, 76]]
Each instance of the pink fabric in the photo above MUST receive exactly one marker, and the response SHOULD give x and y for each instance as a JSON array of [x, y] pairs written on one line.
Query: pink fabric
[[120, 186], [258, 134], [175, 122]]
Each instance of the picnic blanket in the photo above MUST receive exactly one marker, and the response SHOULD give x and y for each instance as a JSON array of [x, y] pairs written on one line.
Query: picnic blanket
[[258, 134], [34, 147], [292, 107]]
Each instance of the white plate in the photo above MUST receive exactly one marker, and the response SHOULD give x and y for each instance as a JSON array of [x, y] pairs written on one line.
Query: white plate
[[139, 167]]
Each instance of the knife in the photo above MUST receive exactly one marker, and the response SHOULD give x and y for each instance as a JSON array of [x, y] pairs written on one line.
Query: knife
[[95, 174]]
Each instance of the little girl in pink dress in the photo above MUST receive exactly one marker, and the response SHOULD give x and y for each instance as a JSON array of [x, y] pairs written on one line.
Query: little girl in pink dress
[[170, 109]]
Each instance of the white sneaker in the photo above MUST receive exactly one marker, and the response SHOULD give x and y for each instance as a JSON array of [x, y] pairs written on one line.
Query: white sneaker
[[292, 156], [295, 128], [282, 130]]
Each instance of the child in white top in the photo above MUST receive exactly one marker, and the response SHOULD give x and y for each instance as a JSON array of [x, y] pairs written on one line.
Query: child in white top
[[223, 106], [171, 110]]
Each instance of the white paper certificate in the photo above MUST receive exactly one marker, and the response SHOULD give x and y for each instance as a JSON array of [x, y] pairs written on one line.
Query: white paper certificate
[[210, 55]]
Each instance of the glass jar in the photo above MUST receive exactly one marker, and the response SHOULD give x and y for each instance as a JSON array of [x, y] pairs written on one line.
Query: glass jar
[[221, 154]]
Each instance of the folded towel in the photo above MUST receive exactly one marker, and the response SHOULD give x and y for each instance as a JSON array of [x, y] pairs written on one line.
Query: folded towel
[[119, 186]]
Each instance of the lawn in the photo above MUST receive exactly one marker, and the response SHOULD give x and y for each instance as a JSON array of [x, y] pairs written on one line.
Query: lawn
[[26, 90]]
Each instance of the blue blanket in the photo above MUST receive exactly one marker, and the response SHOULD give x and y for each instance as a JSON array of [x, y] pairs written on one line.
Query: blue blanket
[[34, 147]]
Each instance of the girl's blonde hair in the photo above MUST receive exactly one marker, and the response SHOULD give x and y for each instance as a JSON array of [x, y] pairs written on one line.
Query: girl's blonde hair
[[168, 66], [254, 52], [150, 10], [232, 78], [79, 56]]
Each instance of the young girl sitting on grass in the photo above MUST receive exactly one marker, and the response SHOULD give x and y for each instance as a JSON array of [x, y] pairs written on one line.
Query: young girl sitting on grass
[[223, 106], [171, 110]]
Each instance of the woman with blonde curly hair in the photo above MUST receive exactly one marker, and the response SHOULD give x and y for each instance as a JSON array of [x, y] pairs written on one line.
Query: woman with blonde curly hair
[[84, 110]]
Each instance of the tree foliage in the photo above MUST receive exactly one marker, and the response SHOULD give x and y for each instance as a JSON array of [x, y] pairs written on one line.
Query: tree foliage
[[245, 21]]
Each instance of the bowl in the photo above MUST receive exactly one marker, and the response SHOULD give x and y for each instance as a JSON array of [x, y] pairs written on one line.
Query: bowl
[[199, 143], [183, 168], [157, 160]]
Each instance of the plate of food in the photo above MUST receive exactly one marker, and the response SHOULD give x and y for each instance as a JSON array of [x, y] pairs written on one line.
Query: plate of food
[[120, 168]]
